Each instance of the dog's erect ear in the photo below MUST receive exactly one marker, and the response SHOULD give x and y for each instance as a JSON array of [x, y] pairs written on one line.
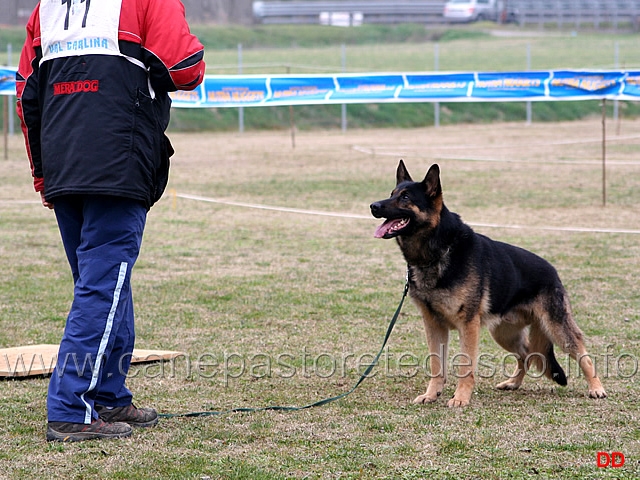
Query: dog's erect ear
[[432, 181], [402, 175]]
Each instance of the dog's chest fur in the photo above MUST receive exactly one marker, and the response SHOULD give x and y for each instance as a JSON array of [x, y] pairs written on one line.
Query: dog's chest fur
[[450, 299], [425, 286]]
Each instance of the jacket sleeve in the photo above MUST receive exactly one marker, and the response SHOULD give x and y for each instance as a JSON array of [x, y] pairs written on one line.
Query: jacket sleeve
[[175, 57], [27, 106]]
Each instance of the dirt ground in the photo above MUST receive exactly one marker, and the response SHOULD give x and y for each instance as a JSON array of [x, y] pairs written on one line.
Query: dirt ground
[[565, 159]]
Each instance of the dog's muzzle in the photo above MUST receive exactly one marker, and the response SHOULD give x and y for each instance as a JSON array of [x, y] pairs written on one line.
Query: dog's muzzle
[[375, 209], [390, 227]]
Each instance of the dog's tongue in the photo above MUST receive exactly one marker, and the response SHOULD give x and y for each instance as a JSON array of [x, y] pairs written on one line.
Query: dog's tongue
[[385, 228]]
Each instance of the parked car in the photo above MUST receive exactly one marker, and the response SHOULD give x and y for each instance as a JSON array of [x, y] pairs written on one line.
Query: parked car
[[479, 10]]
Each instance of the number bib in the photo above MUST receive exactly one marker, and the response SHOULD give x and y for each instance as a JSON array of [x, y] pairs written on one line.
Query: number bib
[[79, 27]]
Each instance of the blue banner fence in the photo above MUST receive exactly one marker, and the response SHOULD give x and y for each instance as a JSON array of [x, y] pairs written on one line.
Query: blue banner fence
[[223, 91]]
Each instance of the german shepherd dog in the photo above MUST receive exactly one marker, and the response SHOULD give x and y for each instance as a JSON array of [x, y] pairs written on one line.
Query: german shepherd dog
[[463, 280]]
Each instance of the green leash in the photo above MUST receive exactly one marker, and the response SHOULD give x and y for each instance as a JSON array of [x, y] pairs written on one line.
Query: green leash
[[277, 408]]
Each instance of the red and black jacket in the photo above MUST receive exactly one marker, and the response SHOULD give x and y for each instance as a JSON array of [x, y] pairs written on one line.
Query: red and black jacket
[[92, 94]]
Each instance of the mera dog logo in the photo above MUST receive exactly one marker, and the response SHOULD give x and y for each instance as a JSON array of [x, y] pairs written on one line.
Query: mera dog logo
[[68, 88], [613, 459]]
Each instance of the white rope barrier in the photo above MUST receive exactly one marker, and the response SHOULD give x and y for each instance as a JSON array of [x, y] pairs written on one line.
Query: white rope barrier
[[368, 217]]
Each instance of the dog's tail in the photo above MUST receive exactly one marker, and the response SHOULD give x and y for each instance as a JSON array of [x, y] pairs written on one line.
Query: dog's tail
[[542, 357], [554, 371]]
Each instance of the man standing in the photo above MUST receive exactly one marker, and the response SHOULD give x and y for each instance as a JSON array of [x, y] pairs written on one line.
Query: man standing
[[92, 96]]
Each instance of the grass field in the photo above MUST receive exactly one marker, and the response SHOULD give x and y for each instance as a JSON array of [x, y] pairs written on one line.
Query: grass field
[[280, 308]]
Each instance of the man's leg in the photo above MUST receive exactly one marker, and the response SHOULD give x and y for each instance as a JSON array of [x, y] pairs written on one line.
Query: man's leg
[[110, 240], [112, 390]]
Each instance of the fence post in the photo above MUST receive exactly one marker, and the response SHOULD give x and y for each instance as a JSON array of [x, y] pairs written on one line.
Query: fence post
[[11, 97], [529, 112], [436, 67], [240, 109], [343, 110], [604, 152], [5, 118], [616, 65], [5, 121], [292, 123]]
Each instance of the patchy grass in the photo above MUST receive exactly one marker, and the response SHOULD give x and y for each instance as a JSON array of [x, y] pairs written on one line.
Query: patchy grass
[[277, 308]]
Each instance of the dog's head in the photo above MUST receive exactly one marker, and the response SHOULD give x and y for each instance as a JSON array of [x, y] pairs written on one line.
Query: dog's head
[[412, 205]]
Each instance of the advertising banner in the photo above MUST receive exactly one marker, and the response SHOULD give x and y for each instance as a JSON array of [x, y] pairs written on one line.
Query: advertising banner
[[7, 81], [219, 91]]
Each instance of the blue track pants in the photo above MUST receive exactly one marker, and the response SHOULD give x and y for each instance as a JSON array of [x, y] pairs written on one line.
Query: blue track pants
[[102, 236]]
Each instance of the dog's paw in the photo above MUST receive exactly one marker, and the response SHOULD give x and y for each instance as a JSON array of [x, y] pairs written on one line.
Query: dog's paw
[[426, 398], [508, 385], [597, 393], [595, 389], [457, 403]]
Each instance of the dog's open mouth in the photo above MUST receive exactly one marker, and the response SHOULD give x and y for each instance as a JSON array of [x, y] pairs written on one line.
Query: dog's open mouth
[[391, 227]]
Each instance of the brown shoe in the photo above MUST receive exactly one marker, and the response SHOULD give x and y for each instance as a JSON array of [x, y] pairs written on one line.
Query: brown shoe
[[77, 432], [134, 416]]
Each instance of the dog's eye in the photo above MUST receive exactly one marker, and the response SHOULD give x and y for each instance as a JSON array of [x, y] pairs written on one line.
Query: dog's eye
[[405, 196]]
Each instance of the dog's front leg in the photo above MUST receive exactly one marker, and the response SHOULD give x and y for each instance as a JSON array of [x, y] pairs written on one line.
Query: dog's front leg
[[466, 361], [438, 340]]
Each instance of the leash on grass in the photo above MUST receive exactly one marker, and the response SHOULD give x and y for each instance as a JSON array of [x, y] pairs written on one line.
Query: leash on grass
[[319, 403]]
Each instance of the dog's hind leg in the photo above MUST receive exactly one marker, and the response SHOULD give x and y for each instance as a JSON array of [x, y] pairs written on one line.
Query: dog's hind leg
[[596, 390], [438, 340], [576, 349], [556, 318], [512, 337]]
